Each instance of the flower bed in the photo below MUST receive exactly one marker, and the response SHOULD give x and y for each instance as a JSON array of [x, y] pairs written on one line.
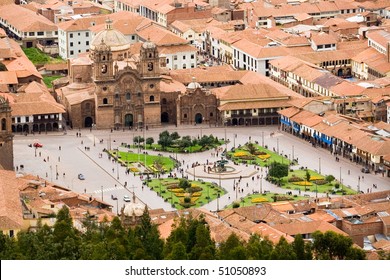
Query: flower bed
[[315, 178], [259, 200], [303, 183], [264, 157], [196, 194], [133, 169], [240, 154], [295, 179], [320, 182], [177, 190]]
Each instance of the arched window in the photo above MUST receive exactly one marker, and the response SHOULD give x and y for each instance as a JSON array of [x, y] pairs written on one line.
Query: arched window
[[105, 101], [3, 124], [128, 96], [116, 96], [139, 94], [211, 114], [151, 98], [104, 69], [185, 116]]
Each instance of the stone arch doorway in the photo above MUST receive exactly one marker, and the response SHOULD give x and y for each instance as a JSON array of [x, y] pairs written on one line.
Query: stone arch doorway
[[340, 72], [88, 122], [164, 117], [198, 118], [129, 120], [234, 121]]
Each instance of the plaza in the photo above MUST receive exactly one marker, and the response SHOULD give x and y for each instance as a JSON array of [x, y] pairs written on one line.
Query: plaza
[[64, 156]]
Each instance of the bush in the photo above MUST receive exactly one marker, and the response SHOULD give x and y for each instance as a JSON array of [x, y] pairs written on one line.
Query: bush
[[329, 178], [337, 185], [236, 204], [187, 199]]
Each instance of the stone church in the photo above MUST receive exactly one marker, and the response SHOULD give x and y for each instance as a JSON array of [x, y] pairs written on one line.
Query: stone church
[[6, 136], [118, 85]]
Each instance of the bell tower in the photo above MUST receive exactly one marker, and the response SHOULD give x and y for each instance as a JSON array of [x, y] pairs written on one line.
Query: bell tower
[[102, 62], [149, 65], [6, 136]]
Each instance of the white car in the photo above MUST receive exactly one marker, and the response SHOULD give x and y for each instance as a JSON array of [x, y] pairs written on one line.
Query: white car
[[126, 198]]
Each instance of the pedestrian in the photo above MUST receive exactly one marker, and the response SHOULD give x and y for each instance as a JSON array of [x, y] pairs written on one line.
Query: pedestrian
[[59, 147]]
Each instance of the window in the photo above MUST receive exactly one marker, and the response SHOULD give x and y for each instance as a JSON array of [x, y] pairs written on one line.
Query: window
[[78, 34], [151, 98], [185, 116], [71, 44], [128, 96], [116, 96], [79, 42], [167, 60], [86, 34], [18, 119], [139, 94], [71, 35], [3, 124], [192, 56], [164, 101], [31, 33], [105, 101], [133, 37], [175, 57], [211, 114], [40, 33], [87, 43], [184, 57], [71, 52]]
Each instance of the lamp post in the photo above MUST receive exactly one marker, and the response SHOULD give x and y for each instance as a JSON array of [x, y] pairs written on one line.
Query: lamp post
[[218, 196], [234, 141], [261, 183], [117, 164], [262, 138], [117, 207], [56, 172], [277, 145], [293, 153], [225, 140], [358, 186], [319, 165]]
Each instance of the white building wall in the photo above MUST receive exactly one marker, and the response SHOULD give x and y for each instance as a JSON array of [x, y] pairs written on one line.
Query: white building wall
[[181, 60], [74, 42]]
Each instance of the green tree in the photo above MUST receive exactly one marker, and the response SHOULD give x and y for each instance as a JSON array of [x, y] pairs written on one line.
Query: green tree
[[278, 170], [150, 237], [259, 248], [175, 136], [184, 184], [299, 247], [283, 251], [165, 141], [178, 252], [2, 67], [232, 249], [149, 141], [329, 178], [184, 142], [307, 175], [251, 148]]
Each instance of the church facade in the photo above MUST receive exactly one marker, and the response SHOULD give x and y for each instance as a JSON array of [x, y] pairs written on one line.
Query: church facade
[[119, 86]]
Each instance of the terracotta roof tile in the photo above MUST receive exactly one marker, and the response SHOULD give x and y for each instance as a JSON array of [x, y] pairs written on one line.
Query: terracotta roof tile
[[10, 206]]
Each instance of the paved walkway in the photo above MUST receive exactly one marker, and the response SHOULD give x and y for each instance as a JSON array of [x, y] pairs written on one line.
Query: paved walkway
[[105, 177]]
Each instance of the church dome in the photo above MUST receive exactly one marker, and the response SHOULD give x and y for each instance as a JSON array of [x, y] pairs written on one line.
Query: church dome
[[194, 84], [134, 208], [148, 45], [110, 37]]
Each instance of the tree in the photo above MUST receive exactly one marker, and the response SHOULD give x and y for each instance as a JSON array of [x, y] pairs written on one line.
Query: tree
[[299, 247], [165, 141], [184, 142], [138, 140], [178, 252], [184, 184], [150, 237], [278, 170], [259, 248], [307, 175], [283, 251], [251, 148], [175, 136], [149, 141], [2, 67], [232, 249], [331, 245], [329, 178]]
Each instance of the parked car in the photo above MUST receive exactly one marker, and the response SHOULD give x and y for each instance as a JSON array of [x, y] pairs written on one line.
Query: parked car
[[126, 198], [365, 170], [81, 177], [37, 145]]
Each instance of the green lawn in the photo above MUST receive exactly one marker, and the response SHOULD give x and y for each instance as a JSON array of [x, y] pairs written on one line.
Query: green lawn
[[209, 191], [242, 155], [39, 58], [48, 79], [166, 164], [325, 188], [254, 199]]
